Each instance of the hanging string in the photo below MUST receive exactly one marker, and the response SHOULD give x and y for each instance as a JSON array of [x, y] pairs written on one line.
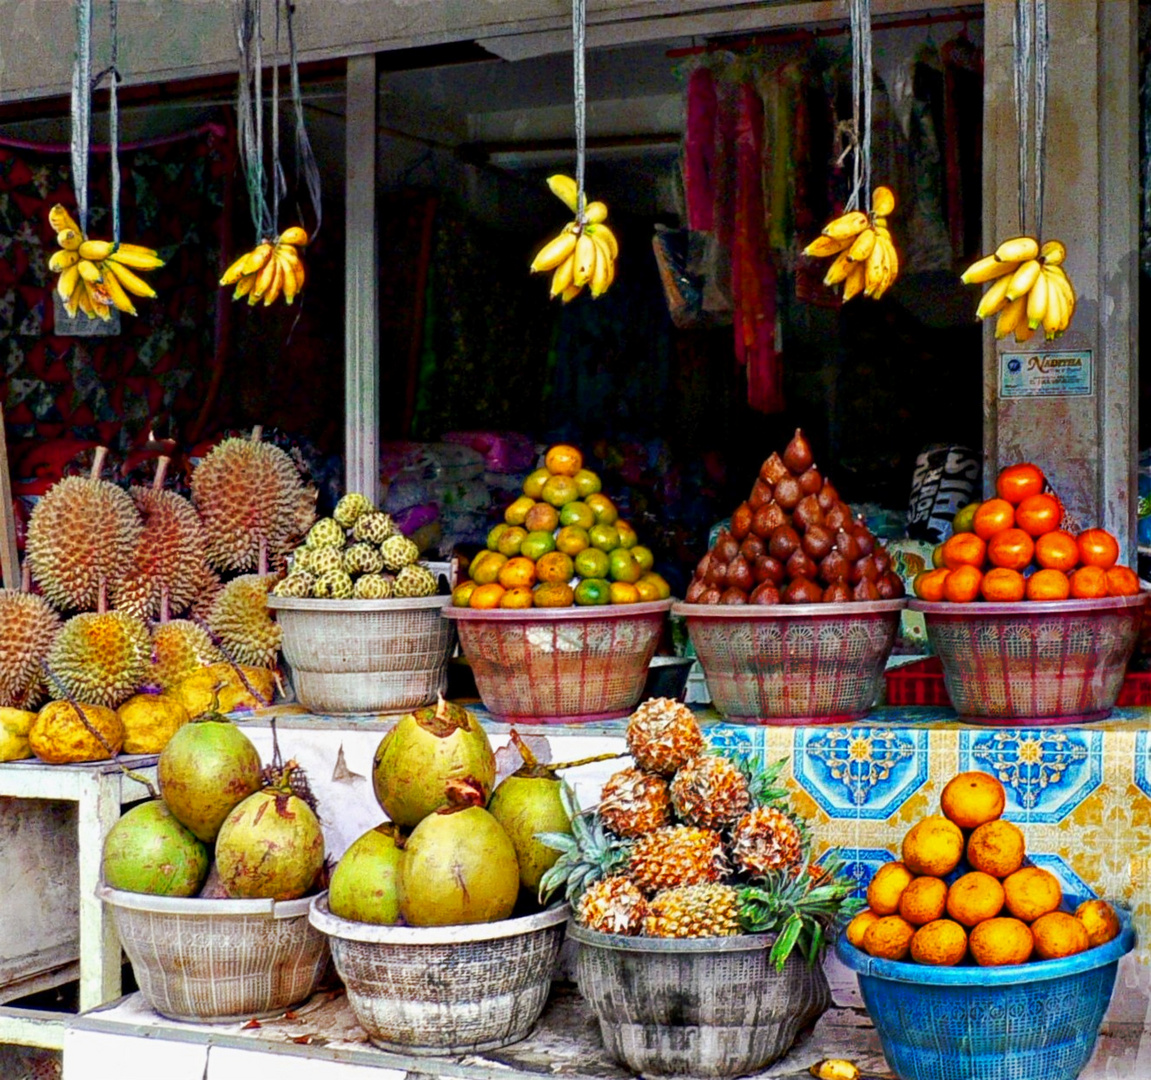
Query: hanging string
[[1022, 40], [862, 78], [1042, 51], [579, 44], [307, 168], [82, 109], [1031, 42], [114, 123], [249, 107], [278, 185]]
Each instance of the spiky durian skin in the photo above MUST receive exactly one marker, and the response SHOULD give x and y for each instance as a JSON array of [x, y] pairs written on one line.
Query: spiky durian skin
[[766, 839], [169, 555], [677, 855], [351, 508], [28, 625], [612, 905], [634, 802], [710, 791], [179, 648], [82, 532], [694, 911], [415, 581], [241, 623], [246, 491], [101, 659], [662, 735]]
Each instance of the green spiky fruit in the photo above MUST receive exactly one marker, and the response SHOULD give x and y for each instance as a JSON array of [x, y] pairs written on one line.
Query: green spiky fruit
[[374, 528], [102, 659], [373, 587], [398, 552], [351, 508], [334, 586], [179, 648], [326, 533], [415, 581], [240, 620], [363, 559]]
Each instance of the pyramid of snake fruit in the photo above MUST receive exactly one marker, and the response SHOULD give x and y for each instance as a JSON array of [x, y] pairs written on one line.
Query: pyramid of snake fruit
[[561, 543], [794, 541]]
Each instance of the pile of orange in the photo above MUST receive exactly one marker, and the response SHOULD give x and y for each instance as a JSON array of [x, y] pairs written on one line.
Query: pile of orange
[[561, 543], [1012, 548], [963, 890]]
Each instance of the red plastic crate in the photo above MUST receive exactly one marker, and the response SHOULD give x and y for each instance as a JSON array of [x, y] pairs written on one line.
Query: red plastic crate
[[1136, 689]]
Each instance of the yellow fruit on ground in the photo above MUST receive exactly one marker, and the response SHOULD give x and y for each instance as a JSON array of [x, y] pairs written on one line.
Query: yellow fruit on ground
[[974, 898], [972, 799], [1058, 934], [941, 943], [997, 848], [923, 901], [1031, 893], [1100, 920], [999, 942], [150, 720], [858, 926], [888, 938], [198, 691], [887, 887], [564, 460], [59, 736], [933, 847], [14, 727]]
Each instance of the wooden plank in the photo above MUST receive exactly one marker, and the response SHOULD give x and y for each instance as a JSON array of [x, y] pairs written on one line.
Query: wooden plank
[[9, 554]]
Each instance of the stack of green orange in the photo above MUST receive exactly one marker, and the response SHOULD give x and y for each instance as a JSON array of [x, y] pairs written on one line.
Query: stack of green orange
[[561, 543]]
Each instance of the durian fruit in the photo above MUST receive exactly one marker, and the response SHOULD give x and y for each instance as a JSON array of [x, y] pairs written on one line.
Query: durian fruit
[[100, 658], [241, 623], [298, 583], [363, 559], [248, 494], [28, 626], [326, 533], [374, 528], [64, 733], [710, 791], [398, 552], [677, 855], [634, 802], [179, 648], [766, 839], [336, 585], [208, 588], [612, 905], [694, 911], [372, 587], [415, 581], [81, 539], [351, 508], [663, 735]]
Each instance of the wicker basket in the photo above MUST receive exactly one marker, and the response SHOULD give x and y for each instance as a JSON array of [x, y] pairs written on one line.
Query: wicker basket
[[365, 656], [793, 663], [1053, 662], [696, 1007], [219, 961], [561, 665], [445, 989]]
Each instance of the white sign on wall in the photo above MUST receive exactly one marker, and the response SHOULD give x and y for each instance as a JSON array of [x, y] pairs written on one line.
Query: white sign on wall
[[1046, 374]]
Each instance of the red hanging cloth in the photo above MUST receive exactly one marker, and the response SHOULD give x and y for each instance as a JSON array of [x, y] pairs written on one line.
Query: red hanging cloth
[[699, 150]]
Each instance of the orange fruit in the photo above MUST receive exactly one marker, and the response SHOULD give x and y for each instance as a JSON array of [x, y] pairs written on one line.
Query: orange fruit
[[1003, 586], [886, 887], [1088, 583], [941, 943], [486, 597], [964, 549], [1039, 514], [971, 799], [572, 539], [933, 847], [462, 593], [923, 901], [1048, 585], [975, 897], [993, 516], [553, 594], [534, 484], [858, 926], [1122, 581], [509, 541], [1018, 482], [1057, 550], [1100, 920], [889, 938], [486, 566], [1001, 942], [1032, 892], [962, 585], [542, 518], [517, 573], [997, 848], [559, 491], [1097, 547], [1011, 548], [518, 597], [929, 584], [1058, 934], [563, 460], [624, 593], [555, 567]]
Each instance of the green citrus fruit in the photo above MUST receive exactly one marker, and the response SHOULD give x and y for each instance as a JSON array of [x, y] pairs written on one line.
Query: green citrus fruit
[[534, 484], [587, 482], [559, 491], [643, 556], [628, 537], [537, 544], [622, 566], [604, 537], [964, 521], [577, 513], [511, 539], [572, 539], [603, 508], [593, 591], [592, 563], [494, 534], [518, 511]]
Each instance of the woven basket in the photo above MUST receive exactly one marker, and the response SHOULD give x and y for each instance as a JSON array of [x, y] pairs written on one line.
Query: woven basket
[[445, 989], [218, 961], [365, 656], [1054, 662], [793, 663], [561, 665]]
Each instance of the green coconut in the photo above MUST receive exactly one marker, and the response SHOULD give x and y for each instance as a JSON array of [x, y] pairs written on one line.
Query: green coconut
[[363, 886], [458, 866], [149, 851], [422, 754]]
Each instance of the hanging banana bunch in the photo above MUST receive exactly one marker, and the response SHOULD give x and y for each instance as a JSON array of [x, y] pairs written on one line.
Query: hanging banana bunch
[[97, 275], [865, 258], [584, 253], [1030, 289], [271, 269]]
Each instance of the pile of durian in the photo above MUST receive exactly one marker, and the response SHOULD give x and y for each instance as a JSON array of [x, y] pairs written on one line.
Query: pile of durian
[[357, 554]]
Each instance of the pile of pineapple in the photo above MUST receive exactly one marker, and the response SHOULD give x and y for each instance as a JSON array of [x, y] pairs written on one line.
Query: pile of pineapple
[[358, 553], [690, 842]]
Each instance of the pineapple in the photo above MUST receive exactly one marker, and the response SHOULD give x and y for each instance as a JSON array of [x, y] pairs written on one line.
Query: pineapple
[[766, 839], [662, 735], [297, 583], [325, 533], [587, 853], [398, 552], [710, 791], [374, 527], [363, 559], [612, 906], [694, 911], [415, 581], [373, 587], [351, 508], [635, 802], [677, 855]]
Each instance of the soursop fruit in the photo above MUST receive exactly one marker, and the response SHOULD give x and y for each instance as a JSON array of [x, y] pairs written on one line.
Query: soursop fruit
[[374, 528], [373, 587], [297, 583], [326, 533], [334, 586], [363, 559], [302, 560], [415, 581], [352, 507], [398, 552], [325, 560]]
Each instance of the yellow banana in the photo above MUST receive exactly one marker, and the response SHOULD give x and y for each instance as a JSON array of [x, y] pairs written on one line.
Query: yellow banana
[[263, 280], [564, 188], [1022, 331], [277, 285], [995, 299], [987, 269], [892, 260], [1061, 274], [1056, 317], [69, 239], [823, 246], [300, 275], [235, 271], [100, 309], [571, 292], [1018, 249], [862, 246], [287, 254], [137, 249], [876, 266], [84, 300], [1023, 278], [838, 269], [72, 301], [1037, 302], [585, 252], [554, 252], [66, 286], [882, 201], [288, 268], [257, 258], [117, 295], [834, 1069], [89, 271], [61, 260], [1053, 253], [136, 260], [293, 235], [601, 273], [1058, 284], [95, 250], [846, 225], [1010, 317], [562, 278], [602, 232], [61, 220], [854, 282], [595, 213], [879, 221], [244, 286], [135, 285]]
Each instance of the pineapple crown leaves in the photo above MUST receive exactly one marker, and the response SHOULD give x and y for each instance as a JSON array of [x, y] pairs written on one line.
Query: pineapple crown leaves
[[763, 781], [587, 853]]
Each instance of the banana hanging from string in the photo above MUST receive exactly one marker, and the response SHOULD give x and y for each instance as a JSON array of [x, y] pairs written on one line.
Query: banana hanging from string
[[865, 257], [273, 268], [97, 275], [581, 255], [1029, 288]]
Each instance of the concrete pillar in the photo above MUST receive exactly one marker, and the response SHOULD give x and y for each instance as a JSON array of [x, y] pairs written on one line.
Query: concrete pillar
[[1086, 444]]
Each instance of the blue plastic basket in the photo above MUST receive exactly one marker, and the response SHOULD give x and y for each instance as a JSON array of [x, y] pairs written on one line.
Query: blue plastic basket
[[1035, 1021]]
